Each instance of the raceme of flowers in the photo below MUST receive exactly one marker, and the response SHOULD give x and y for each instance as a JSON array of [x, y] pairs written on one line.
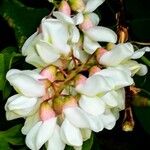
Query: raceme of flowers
[[78, 86]]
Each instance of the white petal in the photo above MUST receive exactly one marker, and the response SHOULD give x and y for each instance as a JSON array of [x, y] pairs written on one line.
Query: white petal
[[109, 120], [92, 105], [86, 134], [96, 123], [78, 19], [22, 102], [75, 35], [28, 43], [94, 18], [92, 5], [34, 59], [46, 130], [140, 52], [31, 136], [94, 85], [89, 45], [30, 122], [11, 115], [119, 78], [70, 134], [77, 117], [63, 17], [51, 28], [119, 54], [47, 52], [143, 70], [55, 142], [101, 34], [26, 85]]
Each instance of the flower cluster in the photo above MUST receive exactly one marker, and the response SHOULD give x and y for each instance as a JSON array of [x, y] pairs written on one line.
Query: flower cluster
[[78, 85]]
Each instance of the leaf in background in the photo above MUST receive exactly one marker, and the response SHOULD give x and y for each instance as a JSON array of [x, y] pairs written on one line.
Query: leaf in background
[[11, 136], [6, 59], [24, 20]]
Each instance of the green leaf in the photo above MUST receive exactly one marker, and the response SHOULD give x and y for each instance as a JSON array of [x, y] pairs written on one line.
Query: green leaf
[[142, 114], [24, 20], [6, 59], [11, 136]]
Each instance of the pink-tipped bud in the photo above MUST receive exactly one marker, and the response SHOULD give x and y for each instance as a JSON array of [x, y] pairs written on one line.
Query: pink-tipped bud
[[94, 70], [46, 111], [70, 101], [77, 5], [49, 73], [87, 23], [65, 8], [80, 79], [100, 52]]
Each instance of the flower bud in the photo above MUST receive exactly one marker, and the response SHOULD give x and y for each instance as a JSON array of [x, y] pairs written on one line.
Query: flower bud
[[70, 101], [46, 111], [87, 23], [80, 79], [77, 5], [93, 70], [110, 46], [100, 52], [65, 8], [49, 72]]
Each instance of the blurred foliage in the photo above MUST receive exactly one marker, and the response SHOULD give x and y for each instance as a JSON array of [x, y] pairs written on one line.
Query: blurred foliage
[[20, 18]]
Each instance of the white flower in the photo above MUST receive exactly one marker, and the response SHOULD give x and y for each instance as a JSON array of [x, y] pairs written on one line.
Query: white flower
[[121, 55], [45, 47]]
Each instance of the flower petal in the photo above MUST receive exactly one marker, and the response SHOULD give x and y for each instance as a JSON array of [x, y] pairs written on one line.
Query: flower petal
[[143, 70], [30, 122], [86, 134], [19, 82], [77, 117], [101, 34], [94, 18], [55, 142], [92, 5], [109, 120], [46, 130], [92, 105], [31, 136], [75, 34], [89, 45], [47, 52], [119, 54], [78, 19], [140, 52], [70, 134], [63, 17], [91, 88]]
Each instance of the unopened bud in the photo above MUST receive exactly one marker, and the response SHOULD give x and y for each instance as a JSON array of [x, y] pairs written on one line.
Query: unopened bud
[[127, 126], [65, 8], [80, 79], [94, 70], [70, 101], [100, 52], [122, 34], [77, 5], [46, 111], [110, 46], [87, 23], [49, 72]]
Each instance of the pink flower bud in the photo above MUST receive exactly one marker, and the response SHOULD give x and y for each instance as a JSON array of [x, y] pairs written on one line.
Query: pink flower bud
[[49, 73], [100, 52], [94, 70], [87, 24], [65, 8], [46, 111], [70, 101], [80, 79]]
